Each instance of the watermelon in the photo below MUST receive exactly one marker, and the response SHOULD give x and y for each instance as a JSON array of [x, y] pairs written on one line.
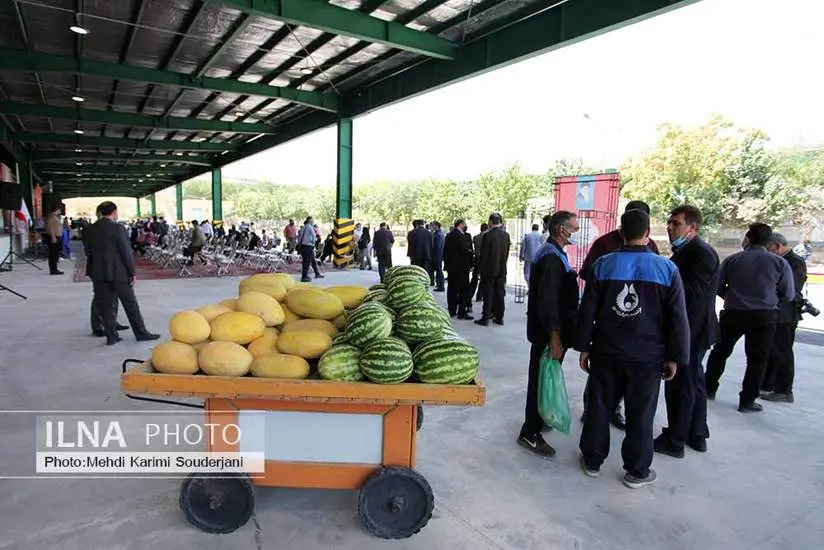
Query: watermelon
[[386, 361], [404, 292], [375, 296], [419, 323], [370, 321], [379, 286], [340, 338], [340, 362], [449, 361], [407, 271]]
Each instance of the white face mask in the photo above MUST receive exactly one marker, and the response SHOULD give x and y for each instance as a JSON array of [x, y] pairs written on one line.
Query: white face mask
[[573, 238]]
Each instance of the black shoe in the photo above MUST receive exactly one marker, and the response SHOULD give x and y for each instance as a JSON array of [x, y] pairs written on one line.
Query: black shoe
[[752, 407], [536, 444], [588, 470], [56, 273], [122, 327], [305, 280], [111, 342], [777, 397], [698, 444], [482, 322], [98, 333], [465, 317], [453, 315], [498, 321], [664, 446], [618, 421], [635, 482], [479, 299], [320, 276], [439, 290], [147, 337], [711, 395]]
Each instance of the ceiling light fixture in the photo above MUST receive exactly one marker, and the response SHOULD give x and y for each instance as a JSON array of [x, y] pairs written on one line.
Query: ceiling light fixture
[[148, 175], [79, 163], [239, 113], [163, 166], [306, 70], [78, 99], [78, 150], [140, 181], [78, 131], [179, 154], [78, 29]]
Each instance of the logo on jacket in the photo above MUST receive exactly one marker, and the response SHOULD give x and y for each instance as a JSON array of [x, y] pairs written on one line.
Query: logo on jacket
[[627, 303]]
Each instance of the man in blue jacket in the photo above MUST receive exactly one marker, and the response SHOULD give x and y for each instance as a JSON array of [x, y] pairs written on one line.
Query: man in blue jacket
[[632, 332], [436, 272]]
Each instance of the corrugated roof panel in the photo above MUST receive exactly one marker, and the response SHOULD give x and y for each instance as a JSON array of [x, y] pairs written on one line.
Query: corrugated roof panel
[[246, 44], [48, 28], [130, 95], [162, 20], [223, 102], [20, 86], [206, 34], [348, 4], [9, 35], [104, 41]]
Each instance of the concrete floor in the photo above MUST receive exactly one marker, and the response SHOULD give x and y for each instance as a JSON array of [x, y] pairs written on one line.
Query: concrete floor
[[760, 487]]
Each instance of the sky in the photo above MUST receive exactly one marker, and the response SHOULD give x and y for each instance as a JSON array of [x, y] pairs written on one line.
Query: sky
[[756, 62]]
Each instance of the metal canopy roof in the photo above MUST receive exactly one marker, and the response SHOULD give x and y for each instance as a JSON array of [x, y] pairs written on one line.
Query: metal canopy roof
[[170, 88]]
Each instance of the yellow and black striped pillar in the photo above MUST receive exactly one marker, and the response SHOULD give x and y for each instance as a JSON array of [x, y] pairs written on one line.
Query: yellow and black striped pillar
[[342, 239]]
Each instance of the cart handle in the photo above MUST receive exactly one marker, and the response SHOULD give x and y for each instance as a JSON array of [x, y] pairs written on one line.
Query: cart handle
[[152, 399]]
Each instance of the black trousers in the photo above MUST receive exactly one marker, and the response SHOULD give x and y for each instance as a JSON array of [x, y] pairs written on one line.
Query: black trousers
[[686, 397], [54, 255], [533, 423], [436, 277], [758, 330], [477, 286], [108, 293], [781, 363], [96, 317], [307, 253], [384, 263], [638, 384], [457, 292], [420, 263], [494, 293]]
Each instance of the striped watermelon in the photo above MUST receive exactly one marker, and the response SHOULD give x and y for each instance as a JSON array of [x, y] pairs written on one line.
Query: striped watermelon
[[378, 295], [404, 292], [419, 323], [407, 271], [379, 286], [370, 321], [449, 361], [340, 362], [340, 338], [386, 361]]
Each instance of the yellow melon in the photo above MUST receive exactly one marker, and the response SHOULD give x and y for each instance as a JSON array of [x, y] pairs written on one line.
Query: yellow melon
[[212, 311], [351, 296], [312, 324], [280, 365], [238, 327], [230, 303], [265, 286], [265, 344], [314, 304], [289, 315], [262, 305], [199, 345], [224, 359], [174, 358], [284, 279], [340, 321], [309, 344], [189, 327]]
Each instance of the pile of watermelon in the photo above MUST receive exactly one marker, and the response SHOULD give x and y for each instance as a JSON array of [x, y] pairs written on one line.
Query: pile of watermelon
[[398, 334]]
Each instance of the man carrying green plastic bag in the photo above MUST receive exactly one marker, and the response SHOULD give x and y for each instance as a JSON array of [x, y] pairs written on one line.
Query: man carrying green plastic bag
[[552, 313]]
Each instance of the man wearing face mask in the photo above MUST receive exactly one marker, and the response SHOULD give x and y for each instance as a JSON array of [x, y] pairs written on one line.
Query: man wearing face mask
[[686, 394], [753, 283], [552, 310]]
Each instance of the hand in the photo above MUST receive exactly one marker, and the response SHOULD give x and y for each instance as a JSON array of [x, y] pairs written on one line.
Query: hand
[[556, 350], [132, 280], [669, 370], [583, 361]]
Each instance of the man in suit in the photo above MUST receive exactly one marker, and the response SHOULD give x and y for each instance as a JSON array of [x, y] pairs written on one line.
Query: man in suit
[[382, 245], [457, 255], [419, 245], [778, 382], [686, 394], [436, 273], [494, 255], [96, 316], [113, 275], [476, 284], [54, 234]]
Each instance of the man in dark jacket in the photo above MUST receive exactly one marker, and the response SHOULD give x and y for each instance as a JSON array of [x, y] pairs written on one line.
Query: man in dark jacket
[[753, 283], [419, 245], [686, 394], [382, 245], [632, 331], [476, 286], [436, 271], [778, 381], [495, 247], [113, 275], [457, 255], [552, 311], [95, 315]]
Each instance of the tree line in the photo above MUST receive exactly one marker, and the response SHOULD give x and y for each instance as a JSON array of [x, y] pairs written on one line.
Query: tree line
[[729, 172]]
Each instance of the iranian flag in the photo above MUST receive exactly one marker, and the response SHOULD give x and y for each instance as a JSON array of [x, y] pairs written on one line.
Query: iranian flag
[[22, 218]]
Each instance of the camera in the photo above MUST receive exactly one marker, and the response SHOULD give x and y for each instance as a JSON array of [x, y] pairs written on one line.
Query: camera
[[807, 307]]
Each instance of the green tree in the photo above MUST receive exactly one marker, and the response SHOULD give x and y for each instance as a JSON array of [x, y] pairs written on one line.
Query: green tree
[[796, 193]]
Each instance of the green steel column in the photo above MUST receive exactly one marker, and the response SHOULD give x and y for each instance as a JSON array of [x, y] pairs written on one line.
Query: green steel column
[[153, 203], [138, 206], [24, 169], [179, 202], [344, 181], [217, 196]]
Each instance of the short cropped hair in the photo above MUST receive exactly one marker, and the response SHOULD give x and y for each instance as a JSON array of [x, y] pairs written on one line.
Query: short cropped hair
[[637, 205], [778, 239], [691, 214], [535, 227], [107, 208], [558, 220], [495, 219], [634, 224], [759, 234]]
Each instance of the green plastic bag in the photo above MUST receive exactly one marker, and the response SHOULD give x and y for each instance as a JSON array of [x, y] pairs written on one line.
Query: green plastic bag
[[553, 404]]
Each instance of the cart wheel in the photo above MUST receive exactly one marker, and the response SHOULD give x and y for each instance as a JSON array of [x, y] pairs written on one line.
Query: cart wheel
[[395, 503], [217, 504], [420, 417]]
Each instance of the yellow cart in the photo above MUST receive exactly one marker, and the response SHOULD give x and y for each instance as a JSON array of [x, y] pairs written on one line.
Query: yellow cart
[[319, 434]]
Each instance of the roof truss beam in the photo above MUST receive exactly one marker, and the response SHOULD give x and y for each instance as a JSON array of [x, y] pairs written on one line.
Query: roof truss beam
[[121, 170], [17, 60], [47, 157], [320, 14], [119, 143], [129, 119]]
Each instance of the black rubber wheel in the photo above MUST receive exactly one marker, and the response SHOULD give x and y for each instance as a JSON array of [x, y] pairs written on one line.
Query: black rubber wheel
[[420, 418], [217, 504], [395, 503]]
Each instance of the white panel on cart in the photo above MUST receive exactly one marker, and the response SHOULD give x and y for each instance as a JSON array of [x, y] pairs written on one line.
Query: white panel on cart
[[253, 431], [324, 437]]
